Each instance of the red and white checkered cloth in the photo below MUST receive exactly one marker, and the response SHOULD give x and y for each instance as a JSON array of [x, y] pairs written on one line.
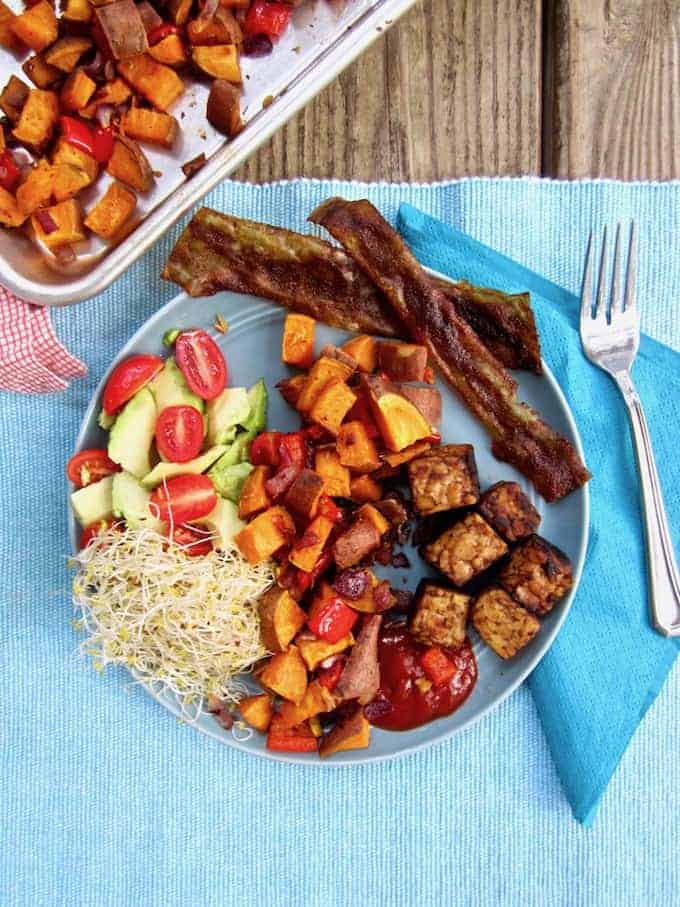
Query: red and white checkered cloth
[[32, 360]]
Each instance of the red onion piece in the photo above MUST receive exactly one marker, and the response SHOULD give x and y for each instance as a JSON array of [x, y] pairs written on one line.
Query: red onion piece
[[257, 46], [95, 68], [46, 221], [351, 584]]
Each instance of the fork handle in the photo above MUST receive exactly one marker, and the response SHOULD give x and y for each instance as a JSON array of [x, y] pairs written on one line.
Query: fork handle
[[664, 580]]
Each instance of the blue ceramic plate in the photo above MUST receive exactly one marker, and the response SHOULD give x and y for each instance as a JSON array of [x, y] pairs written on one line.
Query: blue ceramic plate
[[252, 349]]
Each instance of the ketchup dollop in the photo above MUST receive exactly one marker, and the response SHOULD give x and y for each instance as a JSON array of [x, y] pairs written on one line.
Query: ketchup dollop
[[401, 703]]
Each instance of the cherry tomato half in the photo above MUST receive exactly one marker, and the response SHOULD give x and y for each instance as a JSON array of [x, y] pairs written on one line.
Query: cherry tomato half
[[127, 378], [88, 466], [182, 499], [92, 531], [202, 363], [179, 433], [193, 543]]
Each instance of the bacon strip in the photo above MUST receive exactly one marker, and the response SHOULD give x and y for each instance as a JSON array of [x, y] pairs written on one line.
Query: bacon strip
[[519, 436], [310, 276]]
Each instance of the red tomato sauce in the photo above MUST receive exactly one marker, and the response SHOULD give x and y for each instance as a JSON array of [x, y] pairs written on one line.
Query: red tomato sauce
[[400, 704]]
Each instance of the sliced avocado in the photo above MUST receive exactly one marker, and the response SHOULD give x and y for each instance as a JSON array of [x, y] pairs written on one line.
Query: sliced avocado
[[257, 417], [94, 502], [170, 336], [132, 435], [131, 501], [225, 412], [170, 389], [224, 522], [168, 470], [228, 480], [104, 420], [237, 451]]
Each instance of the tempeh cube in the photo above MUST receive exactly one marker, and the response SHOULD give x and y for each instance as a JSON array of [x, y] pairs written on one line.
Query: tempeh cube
[[503, 625], [444, 478], [537, 575], [509, 511], [466, 549], [441, 616]]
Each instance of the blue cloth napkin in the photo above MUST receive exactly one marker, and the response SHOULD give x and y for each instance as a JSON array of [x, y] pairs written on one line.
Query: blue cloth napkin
[[106, 801], [607, 665]]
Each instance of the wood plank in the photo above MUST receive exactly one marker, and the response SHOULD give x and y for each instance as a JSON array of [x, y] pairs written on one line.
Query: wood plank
[[612, 89], [452, 90]]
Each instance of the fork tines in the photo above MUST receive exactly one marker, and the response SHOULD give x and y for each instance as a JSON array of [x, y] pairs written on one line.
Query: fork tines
[[608, 307]]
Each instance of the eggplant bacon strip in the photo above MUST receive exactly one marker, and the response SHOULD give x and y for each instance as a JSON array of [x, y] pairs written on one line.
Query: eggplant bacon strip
[[519, 436], [312, 277]]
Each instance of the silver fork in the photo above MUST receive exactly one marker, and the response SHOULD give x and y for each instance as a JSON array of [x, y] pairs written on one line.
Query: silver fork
[[610, 335]]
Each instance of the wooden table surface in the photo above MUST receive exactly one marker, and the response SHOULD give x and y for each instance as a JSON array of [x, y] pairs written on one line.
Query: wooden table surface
[[562, 88]]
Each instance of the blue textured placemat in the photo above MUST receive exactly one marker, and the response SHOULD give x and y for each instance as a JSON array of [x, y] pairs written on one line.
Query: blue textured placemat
[[105, 800]]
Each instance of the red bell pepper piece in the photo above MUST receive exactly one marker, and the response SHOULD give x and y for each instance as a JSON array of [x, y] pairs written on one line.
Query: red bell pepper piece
[[328, 508], [161, 31], [330, 677], [10, 175], [331, 619], [102, 144], [438, 668], [265, 18], [264, 451], [292, 449], [290, 740], [78, 134]]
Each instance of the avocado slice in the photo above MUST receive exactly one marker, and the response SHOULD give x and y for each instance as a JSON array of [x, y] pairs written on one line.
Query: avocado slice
[[104, 420], [224, 522], [257, 418], [170, 336], [170, 389], [131, 501], [237, 451], [225, 412], [93, 502], [228, 480], [133, 432], [197, 465]]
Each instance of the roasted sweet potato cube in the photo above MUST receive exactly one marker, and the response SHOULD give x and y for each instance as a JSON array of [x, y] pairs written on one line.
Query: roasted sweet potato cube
[[65, 153], [427, 400], [444, 478], [291, 388], [219, 61], [69, 220], [402, 361], [303, 495], [332, 405], [369, 512], [223, 109], [355, 449], [129, 164], [77, 10], [286, 675], [10, 213], [466, 549], [36, 190], [8, 39], [170, 51], [352, 732], [314, 650], [37, 120], [509, 511], [317, 700], [265, 534], [150, 126], [37, 26], [297, 344], [41, 73], [323, 370], [395, 460], [504, 625], [281, 618], [67, 181], [398, 421], [537, 575], [119, 30], [336, 477], [77, 90], [355, 543], [112, 211], [14, 96], [254, 497], [307, 550], [114, 93], [179, 10], [363, 350], [365, 488], [257, 711], [361, 412], [157, 83], [66, 52], [441, 616], [335, 352], [222, 28]]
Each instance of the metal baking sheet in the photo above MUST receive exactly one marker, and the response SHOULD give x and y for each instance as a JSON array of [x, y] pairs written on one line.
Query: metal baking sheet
[[324, 37]]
